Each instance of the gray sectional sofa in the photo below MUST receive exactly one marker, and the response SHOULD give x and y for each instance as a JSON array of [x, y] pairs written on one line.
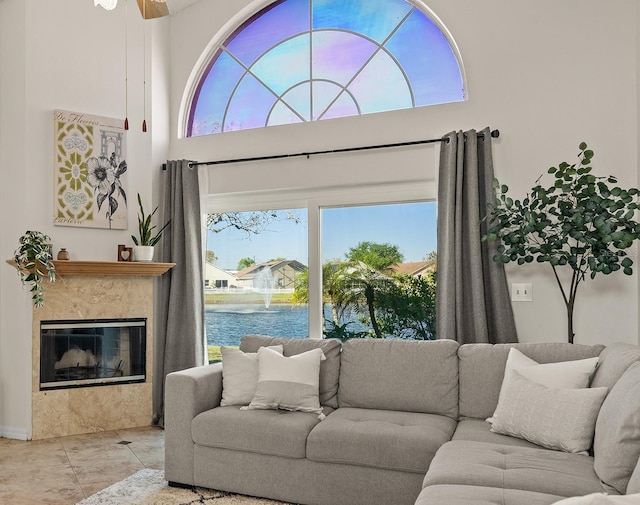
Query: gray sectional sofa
[[405, 424]]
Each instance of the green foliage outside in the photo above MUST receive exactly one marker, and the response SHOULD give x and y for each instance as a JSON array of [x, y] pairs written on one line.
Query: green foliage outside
[[581, 223], [377, 256], [389, 303], [246, 263], [211, 257], [408, 307]]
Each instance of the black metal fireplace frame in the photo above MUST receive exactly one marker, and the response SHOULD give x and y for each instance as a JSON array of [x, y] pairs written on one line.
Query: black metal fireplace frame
[[89, 381]]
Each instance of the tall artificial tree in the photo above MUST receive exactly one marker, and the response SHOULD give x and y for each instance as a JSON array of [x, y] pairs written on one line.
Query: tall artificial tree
[[581, 222]]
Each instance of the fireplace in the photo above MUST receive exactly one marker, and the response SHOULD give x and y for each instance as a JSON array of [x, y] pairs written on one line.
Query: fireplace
[[92, 352]]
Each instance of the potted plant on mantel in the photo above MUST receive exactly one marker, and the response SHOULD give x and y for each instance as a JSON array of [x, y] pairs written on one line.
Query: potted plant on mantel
[[581, 222], [144, 244], [34, 262]]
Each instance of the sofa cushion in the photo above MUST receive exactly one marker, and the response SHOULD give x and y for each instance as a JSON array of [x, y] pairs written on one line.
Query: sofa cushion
[[482, 370], [614, 360], [400, 375], [443, 494], [561, 419], [617, 439], [287, 382], [272, 432], [600, 499], [329, 368], [479, 430], [634, 481], [404, 441], [239, 375], [493, 465]]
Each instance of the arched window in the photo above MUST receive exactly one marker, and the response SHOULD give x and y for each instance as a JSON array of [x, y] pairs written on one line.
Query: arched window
[[306, 60]]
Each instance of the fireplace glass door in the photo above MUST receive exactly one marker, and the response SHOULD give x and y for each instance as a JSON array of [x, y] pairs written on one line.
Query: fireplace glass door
[[92, 352]]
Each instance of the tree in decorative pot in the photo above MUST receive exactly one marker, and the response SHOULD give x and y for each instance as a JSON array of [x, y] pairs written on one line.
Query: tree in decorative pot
[[581, 222], [34, 262], [144, 244]]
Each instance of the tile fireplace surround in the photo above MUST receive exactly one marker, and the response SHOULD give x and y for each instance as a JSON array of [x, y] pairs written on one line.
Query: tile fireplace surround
[[95, 290]]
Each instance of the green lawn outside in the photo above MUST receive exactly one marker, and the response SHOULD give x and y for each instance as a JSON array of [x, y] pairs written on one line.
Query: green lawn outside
[[213, 298], [214, 353]]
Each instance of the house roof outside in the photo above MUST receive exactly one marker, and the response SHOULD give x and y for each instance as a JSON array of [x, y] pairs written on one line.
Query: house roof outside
[[253, 270], [415, 268]]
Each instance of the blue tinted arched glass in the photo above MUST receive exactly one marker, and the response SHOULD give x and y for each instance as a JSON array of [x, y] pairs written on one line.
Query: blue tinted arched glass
[[307, 60]]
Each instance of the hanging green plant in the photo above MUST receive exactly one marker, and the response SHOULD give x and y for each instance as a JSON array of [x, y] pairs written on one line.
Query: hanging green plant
[[34, 262], [581, 222]]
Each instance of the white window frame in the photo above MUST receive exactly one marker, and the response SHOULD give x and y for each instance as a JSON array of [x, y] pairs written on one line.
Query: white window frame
[[314, 200]]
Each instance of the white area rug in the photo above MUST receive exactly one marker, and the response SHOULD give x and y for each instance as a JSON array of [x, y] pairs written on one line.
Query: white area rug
[[148, 487]]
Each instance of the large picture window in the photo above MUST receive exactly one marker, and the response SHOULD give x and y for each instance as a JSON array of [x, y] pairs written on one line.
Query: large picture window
[[376, 267], [307, 60]]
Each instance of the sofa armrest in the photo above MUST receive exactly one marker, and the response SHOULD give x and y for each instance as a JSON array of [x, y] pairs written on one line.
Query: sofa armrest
[[187, 394]]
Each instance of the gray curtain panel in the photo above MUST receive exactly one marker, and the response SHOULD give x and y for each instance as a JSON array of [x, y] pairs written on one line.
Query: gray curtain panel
[[473, 303], [179, 338]]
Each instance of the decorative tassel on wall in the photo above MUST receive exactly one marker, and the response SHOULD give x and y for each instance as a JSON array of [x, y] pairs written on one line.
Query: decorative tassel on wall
[[158, 8], [144, 70], [126, 65]]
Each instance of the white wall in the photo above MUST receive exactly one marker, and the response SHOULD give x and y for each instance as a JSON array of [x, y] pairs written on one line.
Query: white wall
[[548, 74], [68, 55], [637, 256], [15, 353]]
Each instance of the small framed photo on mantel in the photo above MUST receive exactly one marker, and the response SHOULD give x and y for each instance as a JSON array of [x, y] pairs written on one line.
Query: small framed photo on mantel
[[90, 164]]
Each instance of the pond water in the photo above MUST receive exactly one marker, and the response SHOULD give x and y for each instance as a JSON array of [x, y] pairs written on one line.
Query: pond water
[[226, 324]]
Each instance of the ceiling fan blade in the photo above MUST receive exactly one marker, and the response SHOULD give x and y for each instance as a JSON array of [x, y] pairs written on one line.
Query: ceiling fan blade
[[152, 9]]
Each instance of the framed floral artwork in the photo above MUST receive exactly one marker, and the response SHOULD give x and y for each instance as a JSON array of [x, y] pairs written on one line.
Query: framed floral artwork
[[90, 163]]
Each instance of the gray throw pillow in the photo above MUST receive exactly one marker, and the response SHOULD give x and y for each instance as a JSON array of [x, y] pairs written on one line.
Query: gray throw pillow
[[617, 440], [560, 419], [240, 375]]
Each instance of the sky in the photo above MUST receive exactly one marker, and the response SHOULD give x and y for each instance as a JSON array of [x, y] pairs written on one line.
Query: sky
[[412, 227]]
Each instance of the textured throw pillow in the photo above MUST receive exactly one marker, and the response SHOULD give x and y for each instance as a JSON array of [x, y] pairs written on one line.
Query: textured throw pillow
[[288, 383], [574, 374], [617, 442], [601, 499], [239, 375], [560, 419]]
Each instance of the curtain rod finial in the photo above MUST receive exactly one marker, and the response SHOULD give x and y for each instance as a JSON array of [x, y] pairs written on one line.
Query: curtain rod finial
[[495, 134]]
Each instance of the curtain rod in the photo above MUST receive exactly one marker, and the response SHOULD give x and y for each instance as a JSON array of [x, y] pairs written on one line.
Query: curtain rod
[[494, 134]]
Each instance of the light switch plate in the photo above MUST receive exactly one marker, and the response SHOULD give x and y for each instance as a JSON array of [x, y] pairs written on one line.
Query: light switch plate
[[521, 292]]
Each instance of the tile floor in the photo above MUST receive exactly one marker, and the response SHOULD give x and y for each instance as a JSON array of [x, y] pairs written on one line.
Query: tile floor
[[65, 470]]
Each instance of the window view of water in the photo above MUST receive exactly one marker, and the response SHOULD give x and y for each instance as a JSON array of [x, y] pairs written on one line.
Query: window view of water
[[226, 324], [257, 278]]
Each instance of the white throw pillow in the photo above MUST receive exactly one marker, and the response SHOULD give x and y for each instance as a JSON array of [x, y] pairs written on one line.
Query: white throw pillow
[[288, 383], [601, 499], [560, 419], [239, 375], [575, 374]]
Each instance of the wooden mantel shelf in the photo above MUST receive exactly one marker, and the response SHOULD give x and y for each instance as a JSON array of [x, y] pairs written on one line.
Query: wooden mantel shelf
[[73, 267]]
